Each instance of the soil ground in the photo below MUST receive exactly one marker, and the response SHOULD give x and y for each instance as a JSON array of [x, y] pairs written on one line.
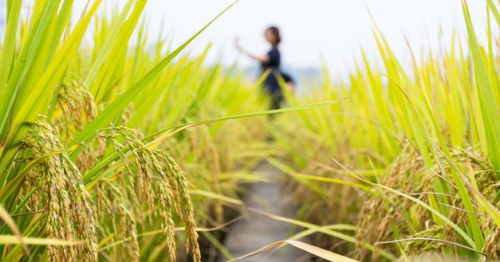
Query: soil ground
[[256, 230]]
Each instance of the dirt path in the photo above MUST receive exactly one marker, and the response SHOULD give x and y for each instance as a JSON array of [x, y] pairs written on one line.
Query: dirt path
[[256, 231]]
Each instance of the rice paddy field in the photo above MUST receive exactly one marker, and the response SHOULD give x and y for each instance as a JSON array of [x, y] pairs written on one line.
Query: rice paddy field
[[116, 147]]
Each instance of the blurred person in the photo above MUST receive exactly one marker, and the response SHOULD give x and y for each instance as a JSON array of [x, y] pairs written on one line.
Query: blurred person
[[270, 65]]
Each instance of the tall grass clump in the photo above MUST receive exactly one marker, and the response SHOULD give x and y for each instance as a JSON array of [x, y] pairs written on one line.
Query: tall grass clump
[[93, 163], [409, 157]]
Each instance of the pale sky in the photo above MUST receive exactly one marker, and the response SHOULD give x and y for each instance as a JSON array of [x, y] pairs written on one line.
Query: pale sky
[[334, 29]]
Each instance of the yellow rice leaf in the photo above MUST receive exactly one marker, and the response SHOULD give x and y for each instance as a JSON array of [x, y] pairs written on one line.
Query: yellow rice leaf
[[325, 254], [214, 196], [10, 239], [319, 252]]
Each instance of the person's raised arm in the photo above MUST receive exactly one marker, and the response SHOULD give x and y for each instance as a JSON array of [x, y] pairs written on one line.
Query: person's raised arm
[[262, 59]]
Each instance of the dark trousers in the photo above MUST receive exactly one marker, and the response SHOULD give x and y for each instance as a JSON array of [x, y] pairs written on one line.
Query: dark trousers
[[276, 101]]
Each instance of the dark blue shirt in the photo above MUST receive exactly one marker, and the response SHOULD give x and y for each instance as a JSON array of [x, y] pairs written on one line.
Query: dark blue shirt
[[274, 59], [271, 83]]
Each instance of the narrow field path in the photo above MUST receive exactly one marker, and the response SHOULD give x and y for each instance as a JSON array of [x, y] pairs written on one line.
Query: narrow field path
[[256, 230]]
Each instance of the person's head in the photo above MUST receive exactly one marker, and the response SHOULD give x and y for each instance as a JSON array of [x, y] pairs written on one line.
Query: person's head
[[273, 36]]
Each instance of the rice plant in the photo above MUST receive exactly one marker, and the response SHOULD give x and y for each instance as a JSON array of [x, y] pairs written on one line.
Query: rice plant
[[114, 147], [409, 158], [92, 168]]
